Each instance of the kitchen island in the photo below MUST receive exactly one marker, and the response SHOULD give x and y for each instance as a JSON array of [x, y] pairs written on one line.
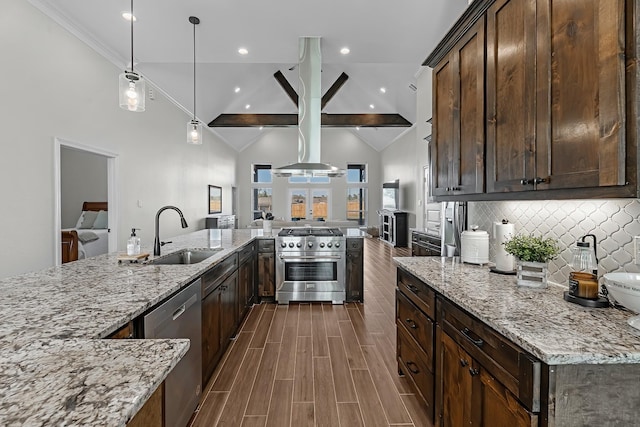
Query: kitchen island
[[522, 356], [55, 368]]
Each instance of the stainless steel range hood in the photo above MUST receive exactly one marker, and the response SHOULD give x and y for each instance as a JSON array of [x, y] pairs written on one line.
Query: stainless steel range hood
[[309, 104]]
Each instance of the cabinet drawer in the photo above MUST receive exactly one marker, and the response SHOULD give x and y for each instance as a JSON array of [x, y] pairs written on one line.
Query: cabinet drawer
[[246, 252], [355, 244], [416, 323], [413, 363], [418, 292], [266, 245], [511, 365], [218, 273]]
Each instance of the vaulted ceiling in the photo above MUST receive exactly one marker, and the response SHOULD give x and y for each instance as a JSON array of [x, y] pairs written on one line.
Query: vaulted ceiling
[[387, 41]]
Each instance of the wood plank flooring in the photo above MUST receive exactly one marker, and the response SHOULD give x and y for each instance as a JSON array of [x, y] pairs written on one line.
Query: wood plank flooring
[[317, 364]]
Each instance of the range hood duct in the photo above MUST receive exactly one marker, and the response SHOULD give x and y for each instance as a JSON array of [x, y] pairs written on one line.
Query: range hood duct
[[309, 107]]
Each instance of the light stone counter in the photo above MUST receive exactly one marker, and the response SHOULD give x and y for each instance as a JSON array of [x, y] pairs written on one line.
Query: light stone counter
[[53, 368], [539, 320]]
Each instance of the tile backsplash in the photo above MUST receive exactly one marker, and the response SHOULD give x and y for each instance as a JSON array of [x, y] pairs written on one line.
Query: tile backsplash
[[614, 222]]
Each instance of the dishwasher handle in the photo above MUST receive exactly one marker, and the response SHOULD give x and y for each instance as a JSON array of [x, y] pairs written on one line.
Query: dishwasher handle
[[179, 311]]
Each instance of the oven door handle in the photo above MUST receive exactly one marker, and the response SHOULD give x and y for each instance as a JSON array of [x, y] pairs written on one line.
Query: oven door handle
[[312, 257]]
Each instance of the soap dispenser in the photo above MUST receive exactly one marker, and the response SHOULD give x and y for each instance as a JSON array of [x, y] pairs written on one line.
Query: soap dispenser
[[133, 244]]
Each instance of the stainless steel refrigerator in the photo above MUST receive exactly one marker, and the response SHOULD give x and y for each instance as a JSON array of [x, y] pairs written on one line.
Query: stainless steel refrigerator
[[454, 222]]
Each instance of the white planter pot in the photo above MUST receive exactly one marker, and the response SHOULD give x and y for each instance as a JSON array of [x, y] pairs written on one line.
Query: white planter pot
[[531, 274]]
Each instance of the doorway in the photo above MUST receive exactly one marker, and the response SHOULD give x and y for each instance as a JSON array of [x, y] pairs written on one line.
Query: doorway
[[60, 145]]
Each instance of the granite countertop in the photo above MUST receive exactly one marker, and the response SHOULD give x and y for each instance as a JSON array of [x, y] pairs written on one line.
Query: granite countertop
[[538, 320], [55, 370]]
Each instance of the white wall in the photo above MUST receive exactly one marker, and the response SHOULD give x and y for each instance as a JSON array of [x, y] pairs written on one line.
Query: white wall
[[53, 85], [83, 178], [279, 146]]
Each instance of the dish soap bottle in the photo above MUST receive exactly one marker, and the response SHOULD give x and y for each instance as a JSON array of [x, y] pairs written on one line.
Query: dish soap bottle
[[133, 244]]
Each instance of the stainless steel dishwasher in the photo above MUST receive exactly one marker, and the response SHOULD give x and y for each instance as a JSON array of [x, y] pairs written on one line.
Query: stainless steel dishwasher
[[180, 317]]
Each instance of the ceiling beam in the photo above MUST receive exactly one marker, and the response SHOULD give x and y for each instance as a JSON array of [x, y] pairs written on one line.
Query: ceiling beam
[[291, 120], [286, 86], [335, 87]]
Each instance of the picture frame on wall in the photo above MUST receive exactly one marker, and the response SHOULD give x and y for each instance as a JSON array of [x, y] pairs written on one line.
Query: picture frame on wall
[[215, 199]]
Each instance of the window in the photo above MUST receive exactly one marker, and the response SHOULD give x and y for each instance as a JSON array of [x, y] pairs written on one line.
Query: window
[[357, 193], [261, 195], [309, 180]]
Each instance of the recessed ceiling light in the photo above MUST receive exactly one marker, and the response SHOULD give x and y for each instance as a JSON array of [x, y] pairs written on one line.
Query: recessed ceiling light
[[128, 15], [345, 50], [246, 107], [237, 89], [383, 90], [372, 106], [243, 51]]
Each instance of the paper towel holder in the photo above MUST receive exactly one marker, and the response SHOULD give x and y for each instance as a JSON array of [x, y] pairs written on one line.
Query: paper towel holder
[[494, 269]]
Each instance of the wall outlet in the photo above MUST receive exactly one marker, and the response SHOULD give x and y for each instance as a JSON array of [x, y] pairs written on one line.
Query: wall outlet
[[636, 250]]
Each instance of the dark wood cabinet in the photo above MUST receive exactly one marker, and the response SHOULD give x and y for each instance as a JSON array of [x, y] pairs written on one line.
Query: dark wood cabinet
[[457, 143], [246, 279], [266, 268], [555, 99], [558, 117], [425, 245], [355, 270], [219, 312], [467, 374], [393, 227]]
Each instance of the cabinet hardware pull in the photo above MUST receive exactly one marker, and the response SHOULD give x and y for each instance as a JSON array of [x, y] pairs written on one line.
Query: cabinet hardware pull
[[473, 372], [455, 189], [409, 364], [413, 288], [447, 189], [526, 181], [540, 180], [463, 363], [179, 311], [467, 333], [412, 323]]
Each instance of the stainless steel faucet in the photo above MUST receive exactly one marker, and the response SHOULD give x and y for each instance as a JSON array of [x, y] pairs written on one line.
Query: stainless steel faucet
[[156, 241]]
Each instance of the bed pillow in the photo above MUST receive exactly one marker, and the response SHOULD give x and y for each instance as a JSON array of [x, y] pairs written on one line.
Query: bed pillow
[[101, 220], [89, 219], [80, 219]]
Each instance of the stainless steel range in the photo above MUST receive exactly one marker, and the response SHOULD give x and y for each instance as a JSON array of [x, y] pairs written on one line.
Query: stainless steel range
[[310, 265]]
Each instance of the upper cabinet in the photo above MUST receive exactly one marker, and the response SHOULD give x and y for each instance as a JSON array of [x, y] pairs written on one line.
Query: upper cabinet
[[536, 99], [457, 143]]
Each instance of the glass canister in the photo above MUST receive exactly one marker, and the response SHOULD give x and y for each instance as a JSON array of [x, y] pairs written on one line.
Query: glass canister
[[583, 280]]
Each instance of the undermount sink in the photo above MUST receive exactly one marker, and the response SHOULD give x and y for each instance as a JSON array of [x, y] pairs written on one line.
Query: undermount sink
[[625, 290], [186, 256]]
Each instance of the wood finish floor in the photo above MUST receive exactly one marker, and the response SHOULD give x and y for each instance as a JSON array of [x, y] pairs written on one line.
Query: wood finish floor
[[317, 364]]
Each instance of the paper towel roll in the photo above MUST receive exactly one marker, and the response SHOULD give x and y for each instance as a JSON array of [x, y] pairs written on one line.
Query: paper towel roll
[[502, 233]]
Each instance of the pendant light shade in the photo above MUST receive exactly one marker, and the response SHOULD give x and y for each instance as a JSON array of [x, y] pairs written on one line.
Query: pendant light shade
[[194, 127], [131, 84]]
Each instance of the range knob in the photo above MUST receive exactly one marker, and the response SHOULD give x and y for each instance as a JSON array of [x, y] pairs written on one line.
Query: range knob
[[298, 245], [337, 244], [310, 244], [322, 245], [283, 245], [329, 245], [291, 244]]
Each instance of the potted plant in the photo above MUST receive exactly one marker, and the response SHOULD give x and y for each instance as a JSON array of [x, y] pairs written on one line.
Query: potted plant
[[532, 255]]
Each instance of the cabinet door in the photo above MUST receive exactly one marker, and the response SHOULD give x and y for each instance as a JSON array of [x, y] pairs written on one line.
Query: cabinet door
[[581, 86], [246, 276], [355, 275], [266, 274], [211, 337], [441, 145], [457, 145], [456, 383], [229, 305], [510, 85], [498, 407]]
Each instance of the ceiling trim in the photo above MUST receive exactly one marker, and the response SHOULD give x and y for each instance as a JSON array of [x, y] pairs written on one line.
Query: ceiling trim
[[327, 120]]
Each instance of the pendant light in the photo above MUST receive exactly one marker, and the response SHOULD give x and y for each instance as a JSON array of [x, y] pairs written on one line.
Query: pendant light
[[194, 127], [132, 85]]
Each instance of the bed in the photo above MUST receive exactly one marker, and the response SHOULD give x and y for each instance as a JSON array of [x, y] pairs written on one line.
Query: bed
[[90, 237]]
